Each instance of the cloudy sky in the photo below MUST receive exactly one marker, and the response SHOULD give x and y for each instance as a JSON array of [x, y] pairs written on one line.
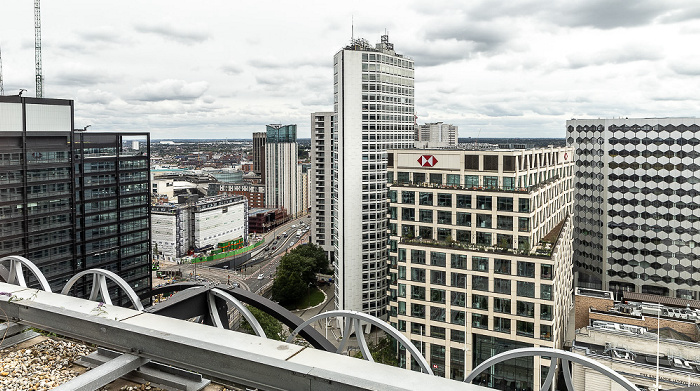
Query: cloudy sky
[[224, 69]]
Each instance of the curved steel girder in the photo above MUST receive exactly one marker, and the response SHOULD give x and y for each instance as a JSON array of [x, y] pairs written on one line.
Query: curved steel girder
[[555, 354], [358, 317], [16, 276], [238, 305], [280, 313], [99, 286]]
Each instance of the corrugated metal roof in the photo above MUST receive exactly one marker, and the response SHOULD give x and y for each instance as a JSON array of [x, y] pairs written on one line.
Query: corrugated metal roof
[[669, 301]]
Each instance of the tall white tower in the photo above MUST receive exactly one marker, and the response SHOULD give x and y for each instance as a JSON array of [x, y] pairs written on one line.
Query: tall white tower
[[282, 187], [374, 111]]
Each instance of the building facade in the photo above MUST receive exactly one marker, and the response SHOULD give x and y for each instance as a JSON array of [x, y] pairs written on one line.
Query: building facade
[[480, 255], [259, 154], [73, 200], [321, 180], [198, 224], [436, 135], [254, 193], [636, 208], [282, 177], [373, 112]]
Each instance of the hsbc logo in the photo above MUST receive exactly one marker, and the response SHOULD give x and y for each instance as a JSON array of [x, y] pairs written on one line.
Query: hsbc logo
[[427, 161]]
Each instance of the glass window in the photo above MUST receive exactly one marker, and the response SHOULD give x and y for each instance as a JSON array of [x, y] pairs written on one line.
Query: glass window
[[526, 289], [504, 223], [402, 177], [436, 179], [417, 328], [438, 313], [458, 280], [524, 205], [501, 266], [408, 231], [508, 183], [402, 308], [392, 246], [464, 219], [457, 317], [502, 325], [408, 214], [464, 201], [526, 309], [471, 181], [402, 290], [392, 229], [480, 264], [437, 295], [546, 272], [402, 255], [480, 283], [504, 241], [390, 177], [524, 243], [458, 261], [523, 224], [491, 182], [480, 321], [438, 277], [417, 274], [501, 286], [402, 272], [418, 178], [438, 258], [546, 312], [425, 232], [418, 257], [526, 269], [417, 292], [408, 197], [546, 332], [444, 217], [401, 325], [526, 329], [464, 236], [438, 332], [392, 212], [444, 234], [452, 179], [501, 305], [392, 195], [480, 302], [425, 198], [483, 221], [417, 310], [457, 336], [483, 238], [545, 292], [504, 204], [458, 299], [444, 200], [483, 202], [425, 215]]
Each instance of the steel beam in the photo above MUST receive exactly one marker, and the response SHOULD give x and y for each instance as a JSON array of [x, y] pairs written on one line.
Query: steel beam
[[104, 374]]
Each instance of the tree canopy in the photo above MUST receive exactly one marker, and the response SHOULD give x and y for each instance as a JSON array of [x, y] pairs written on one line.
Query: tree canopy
[[271, 326], [296, 271]]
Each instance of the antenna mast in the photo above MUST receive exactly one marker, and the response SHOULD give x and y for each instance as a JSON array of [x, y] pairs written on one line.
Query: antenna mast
[[2, 88], [37, 50]]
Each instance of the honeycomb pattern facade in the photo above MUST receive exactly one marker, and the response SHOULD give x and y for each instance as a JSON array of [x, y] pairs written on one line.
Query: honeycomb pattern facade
[[637, 204]]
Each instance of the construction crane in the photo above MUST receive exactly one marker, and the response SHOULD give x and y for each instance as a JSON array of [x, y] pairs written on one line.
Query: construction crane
[[37, 50], [2, 88]]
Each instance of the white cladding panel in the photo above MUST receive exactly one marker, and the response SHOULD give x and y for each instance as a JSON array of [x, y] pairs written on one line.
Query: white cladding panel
[[10, 117], [219, 225], [49, 118], [444, 161]]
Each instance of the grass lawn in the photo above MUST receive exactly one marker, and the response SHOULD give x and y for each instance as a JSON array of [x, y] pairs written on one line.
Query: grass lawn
[[314, 297]]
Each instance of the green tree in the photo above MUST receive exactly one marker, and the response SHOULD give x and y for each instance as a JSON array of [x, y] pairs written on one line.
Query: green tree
[[383, 352], [316, 253], [294, 274], [271, 326]]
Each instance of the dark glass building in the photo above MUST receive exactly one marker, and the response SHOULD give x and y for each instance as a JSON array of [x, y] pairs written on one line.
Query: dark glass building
[[72, 200]]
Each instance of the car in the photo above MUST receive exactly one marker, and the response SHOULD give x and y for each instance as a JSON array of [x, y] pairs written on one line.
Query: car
[[261, 276]]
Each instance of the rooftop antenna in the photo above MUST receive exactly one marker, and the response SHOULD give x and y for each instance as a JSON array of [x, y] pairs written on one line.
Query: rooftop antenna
[[352, 28], [37, 50], [2, 88]]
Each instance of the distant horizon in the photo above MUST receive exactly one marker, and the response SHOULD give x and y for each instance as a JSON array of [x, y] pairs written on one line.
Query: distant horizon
[[308, 138]]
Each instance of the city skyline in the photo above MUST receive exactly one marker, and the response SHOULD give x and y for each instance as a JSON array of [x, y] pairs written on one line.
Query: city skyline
[[224, 72]]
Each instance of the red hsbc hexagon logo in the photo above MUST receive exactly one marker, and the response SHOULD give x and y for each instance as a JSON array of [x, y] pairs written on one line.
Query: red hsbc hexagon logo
[[427, 160]]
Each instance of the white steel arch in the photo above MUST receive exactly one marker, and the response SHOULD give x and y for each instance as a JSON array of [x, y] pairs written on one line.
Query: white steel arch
[[214, 314], [16, 275], [357, 318], [99, 286]]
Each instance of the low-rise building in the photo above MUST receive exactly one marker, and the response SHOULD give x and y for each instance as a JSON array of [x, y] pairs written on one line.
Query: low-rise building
[[255, 193], [480, 255]]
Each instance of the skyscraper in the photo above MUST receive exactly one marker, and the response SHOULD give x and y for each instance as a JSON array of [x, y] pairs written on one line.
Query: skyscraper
[[321, 180], [636, 215], [436, 135], [374, 111], [259, 154], [72, 200], [282, 188]]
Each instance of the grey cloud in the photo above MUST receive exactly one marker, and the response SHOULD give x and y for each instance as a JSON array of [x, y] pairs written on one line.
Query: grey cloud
[[168, 90], [167, 31], [624, 54], [482, 37], [499, 110], [609, 14], [278, 63], [231, 69], [79, 75], [687, 68], [95, 96], [434, 53]]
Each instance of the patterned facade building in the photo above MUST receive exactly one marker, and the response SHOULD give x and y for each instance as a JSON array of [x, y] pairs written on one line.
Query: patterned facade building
[[636, 215], [321, 180], [481, 256]]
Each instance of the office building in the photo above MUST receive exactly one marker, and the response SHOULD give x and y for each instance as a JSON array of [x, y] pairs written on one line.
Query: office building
[[480, 253], [636, 209], [373, 112], [321, 180], [196, 224], [259, 154], [254, 193], [436, 135], [72, 200], [282, 177]]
